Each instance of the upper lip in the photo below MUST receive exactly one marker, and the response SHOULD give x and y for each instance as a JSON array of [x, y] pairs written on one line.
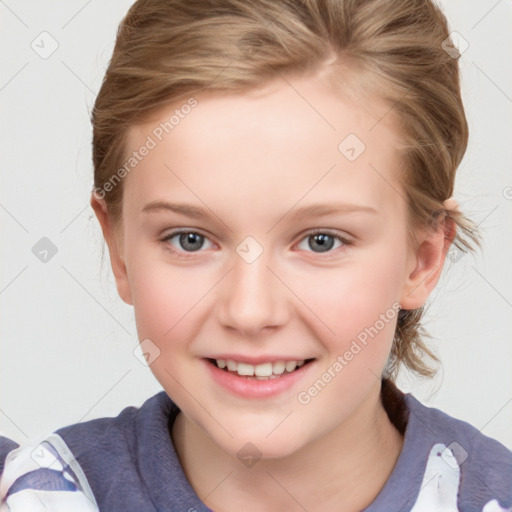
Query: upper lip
[[258, 360]]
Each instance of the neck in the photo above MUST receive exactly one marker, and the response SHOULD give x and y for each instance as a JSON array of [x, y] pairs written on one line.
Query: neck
[[343, 470]]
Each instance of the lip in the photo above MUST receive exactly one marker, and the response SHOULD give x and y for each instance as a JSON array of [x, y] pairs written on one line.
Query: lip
[[252, 388]]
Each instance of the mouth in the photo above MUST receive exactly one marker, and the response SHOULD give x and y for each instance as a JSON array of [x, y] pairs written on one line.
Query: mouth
[[263, 371]]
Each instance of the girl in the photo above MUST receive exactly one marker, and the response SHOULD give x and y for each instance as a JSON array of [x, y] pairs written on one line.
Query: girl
[[274, 182]]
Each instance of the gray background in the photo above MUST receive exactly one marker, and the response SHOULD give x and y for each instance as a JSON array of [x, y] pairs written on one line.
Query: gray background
[[67, 339]]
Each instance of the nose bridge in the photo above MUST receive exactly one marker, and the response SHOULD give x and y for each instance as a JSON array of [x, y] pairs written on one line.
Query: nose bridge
[[252, 300]]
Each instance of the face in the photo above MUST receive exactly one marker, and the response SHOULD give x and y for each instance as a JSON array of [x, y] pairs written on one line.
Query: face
[[287, 256]]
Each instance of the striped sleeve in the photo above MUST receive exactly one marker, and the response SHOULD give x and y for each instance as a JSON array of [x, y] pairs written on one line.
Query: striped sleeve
[[42, 475]]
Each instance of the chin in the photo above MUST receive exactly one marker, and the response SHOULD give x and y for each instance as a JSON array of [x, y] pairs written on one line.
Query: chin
[[253, 442]]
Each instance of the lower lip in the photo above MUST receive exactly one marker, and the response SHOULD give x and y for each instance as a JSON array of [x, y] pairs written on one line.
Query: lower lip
[[252, 388]]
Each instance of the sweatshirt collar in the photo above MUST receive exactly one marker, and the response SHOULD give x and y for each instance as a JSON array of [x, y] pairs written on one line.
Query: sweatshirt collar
[[169, 488]]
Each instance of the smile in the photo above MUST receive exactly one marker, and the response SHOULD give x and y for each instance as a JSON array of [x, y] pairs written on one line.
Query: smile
[[264, 371]]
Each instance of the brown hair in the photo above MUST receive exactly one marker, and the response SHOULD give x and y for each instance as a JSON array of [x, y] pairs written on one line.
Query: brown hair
[[167, 50]]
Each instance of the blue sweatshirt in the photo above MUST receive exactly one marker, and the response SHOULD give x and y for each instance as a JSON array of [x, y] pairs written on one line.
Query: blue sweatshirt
[[128, 463]]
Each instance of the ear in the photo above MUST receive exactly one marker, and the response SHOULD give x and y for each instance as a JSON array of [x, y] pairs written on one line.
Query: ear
[[427, 264], [116, 259]]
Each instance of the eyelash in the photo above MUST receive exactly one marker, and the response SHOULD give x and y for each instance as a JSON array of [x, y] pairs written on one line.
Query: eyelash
[[185, 254]]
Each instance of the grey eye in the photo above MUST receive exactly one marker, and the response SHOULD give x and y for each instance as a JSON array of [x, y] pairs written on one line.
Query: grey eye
[[320, 242], [188, 241]]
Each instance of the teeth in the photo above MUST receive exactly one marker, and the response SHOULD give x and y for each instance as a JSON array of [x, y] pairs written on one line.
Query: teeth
[[290, 366], [262, 371], [278, 367], [245, 369]]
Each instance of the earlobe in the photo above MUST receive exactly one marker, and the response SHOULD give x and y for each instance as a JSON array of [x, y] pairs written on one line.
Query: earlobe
[[429, 261], [116, 259]]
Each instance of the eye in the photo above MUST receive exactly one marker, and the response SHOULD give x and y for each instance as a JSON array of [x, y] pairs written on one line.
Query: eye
[[322, 240], [188, 241]]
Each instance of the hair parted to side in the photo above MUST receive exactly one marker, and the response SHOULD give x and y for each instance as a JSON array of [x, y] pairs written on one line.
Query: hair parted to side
[[167, 50]]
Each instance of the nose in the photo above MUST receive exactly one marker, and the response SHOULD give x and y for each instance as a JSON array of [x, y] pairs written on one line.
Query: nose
[[254, 298]]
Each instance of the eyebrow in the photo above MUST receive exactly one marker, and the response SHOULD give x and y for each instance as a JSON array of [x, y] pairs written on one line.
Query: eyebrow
[[316, 210]]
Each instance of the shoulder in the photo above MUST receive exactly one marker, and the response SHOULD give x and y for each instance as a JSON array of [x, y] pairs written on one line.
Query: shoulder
[[111, 450], [80, 460], [468, 443], [483, 465], [109, 435], [42, 475]]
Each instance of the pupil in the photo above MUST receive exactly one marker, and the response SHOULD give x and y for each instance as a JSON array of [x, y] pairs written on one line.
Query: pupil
[[323, 241], [194, 239]]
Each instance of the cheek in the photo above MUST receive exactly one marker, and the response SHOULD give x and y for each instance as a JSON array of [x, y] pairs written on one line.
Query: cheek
[[166, 302], [350, 299], [361, 308], [164, 296]]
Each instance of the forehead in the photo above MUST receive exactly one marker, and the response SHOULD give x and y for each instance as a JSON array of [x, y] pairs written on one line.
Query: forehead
[[287, 142]]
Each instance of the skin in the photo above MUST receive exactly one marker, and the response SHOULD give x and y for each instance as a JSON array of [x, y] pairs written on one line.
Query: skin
[[249, 160]]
